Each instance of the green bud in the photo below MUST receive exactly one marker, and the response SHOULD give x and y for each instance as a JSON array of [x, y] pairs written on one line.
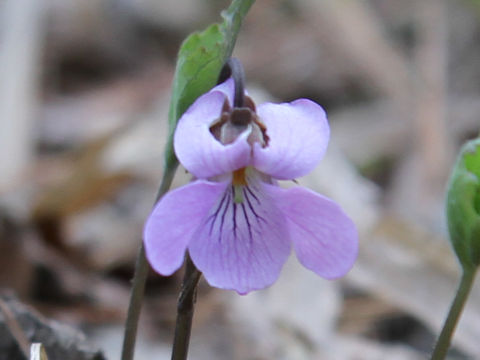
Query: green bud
[[463, 205]]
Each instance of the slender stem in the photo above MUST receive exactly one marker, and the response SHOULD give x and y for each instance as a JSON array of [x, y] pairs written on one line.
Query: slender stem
[[135, 305], [233, 68], [185, 309], [140, 278], [443, 342]]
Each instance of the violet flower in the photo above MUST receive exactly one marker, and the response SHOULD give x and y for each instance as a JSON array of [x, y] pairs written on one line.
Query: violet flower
[[236, 223]]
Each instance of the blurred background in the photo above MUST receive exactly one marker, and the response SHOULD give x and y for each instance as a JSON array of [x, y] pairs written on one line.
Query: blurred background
[[84, 92]]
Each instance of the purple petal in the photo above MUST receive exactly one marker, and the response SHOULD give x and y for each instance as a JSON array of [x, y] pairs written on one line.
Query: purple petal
[[196, 148], [228, 88], [324, 237], [298, 133], [173, 221], [242, 246]]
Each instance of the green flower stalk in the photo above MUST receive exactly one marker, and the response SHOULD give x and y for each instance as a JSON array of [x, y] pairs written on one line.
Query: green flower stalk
[[463, 216]]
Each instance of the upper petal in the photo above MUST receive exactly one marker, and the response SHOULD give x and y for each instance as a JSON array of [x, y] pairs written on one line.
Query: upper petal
[[228, 88], [298, 136], [242, 246], [174, 219], [324, 237], [195, 146]]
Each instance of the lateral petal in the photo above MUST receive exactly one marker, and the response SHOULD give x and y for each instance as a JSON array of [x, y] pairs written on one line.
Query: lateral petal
[[174, 220], [298, 137], [195, 146], [325, 239]]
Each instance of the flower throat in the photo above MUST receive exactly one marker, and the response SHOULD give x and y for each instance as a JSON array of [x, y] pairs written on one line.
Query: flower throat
[[236, 120]]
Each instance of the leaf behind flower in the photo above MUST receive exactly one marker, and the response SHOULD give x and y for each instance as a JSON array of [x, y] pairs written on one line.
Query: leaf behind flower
[[199, 62]]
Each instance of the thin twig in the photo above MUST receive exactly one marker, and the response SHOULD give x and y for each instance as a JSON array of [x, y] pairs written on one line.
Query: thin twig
[[15, 328], [140, 278], [430, 110], [23, 29], [185, 309]]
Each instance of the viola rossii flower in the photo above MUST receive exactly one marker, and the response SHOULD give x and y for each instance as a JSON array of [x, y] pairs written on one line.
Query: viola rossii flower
[[236, 223]]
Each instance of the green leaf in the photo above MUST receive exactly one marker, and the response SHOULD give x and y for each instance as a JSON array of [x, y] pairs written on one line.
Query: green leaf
[[199, 62], [463, 205]]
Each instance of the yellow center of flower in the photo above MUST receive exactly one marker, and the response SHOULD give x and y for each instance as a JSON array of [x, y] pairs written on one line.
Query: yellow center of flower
[[239, 178]]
